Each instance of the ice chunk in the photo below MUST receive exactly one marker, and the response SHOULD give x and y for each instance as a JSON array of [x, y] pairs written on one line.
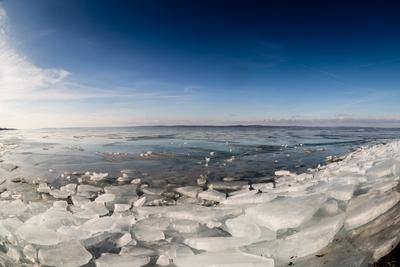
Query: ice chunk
[[43, 188], [367, 207], [13, 253], [107, 224], [98, 176], [185, 226], [53, 219], [124, 260], [9, 226], [124, 240], [56, 193], [88, 188], [162, 260], [231, 258], [286, 212], [70, 188], [30, 253], [70, 254], [234, 185], [124, 194], [39, 235], [121, 207], [148, 235], [341, 191], [243, 226], [250, 198], [262, 186], [79, 200], [189, 191], [308, 240], [12, 208], [385, 168], [212, 195], [60, 204], [105, 198], [218, 243], [282, 173], [330, 207]]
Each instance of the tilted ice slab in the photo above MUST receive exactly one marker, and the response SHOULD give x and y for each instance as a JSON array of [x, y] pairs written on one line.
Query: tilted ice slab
[[365, 208], [309, 239], [286, 212]]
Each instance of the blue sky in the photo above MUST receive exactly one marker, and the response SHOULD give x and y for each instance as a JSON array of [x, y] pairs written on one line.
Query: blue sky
[[107, 63]]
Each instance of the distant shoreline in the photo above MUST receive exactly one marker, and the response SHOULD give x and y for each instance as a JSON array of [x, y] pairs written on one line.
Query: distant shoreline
[[6, 129]]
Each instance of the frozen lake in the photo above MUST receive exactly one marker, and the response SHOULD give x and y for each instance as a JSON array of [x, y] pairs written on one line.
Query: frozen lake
[[179, 154]]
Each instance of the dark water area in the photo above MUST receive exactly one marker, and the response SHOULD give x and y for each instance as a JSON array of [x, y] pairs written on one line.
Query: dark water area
[[179, 154]]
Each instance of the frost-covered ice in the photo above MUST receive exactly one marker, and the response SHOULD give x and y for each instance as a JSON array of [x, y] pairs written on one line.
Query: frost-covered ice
[[346, 211]]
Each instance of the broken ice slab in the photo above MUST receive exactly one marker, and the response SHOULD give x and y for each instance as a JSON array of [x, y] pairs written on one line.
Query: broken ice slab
[[385, 168], [231, 258], [282, 173], [53, 218], [365, 208], [234, 185], [56, 193], [88, 188], [124, 194], [12, 208], [286, 212], [8, 227], [252, 197], [184, 226], [98, 176], [212, 195], [39, 235], [69, 254], [330, 207], [108, 224], [43, 188], [107, 197], [380, 236], [70, 188], [192, 212], [341, 191], [242, 226], [137, 251], [189, 191], [308, 239], [218, 243], [262, 186], [147, 235], [124, 260]]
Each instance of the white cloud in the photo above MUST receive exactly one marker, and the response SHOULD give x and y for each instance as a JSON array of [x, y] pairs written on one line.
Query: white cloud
[[19, 78]]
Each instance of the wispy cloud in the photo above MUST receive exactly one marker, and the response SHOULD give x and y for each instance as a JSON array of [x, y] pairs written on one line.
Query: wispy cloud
[[21, 80], [384, 61]]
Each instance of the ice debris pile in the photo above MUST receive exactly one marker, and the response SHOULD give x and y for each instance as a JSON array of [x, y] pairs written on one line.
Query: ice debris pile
[[343, 214]]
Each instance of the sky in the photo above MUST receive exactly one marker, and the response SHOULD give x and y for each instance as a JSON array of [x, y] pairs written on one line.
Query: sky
[[74, 63]]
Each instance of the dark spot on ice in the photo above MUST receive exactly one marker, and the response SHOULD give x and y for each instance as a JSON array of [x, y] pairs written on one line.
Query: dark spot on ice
[[319, 255]]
